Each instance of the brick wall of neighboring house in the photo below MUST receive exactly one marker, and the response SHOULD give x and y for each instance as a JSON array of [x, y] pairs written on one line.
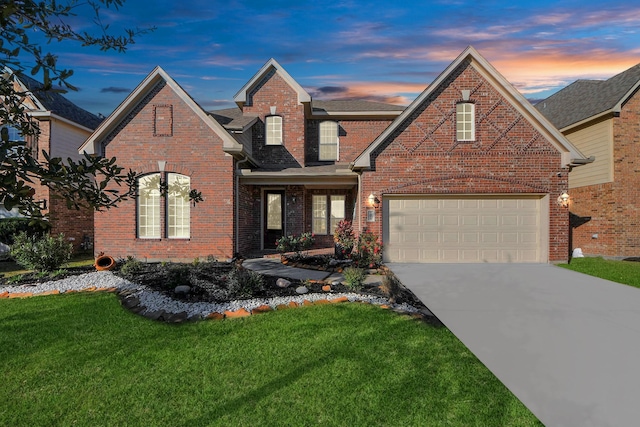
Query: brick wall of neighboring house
[[273, 90], [508, 156], [76, 225], [189, 147], [355, 136], [614, 207]]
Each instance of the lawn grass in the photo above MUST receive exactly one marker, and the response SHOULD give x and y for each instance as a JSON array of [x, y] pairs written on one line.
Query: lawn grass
[[625, 272], [83, 360]]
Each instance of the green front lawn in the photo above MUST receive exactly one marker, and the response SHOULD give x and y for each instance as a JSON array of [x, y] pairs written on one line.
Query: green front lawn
[[83, 360], [626, 272]]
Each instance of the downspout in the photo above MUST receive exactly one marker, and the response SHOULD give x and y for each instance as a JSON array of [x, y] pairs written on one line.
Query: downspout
[[236, 204], [358, 202]]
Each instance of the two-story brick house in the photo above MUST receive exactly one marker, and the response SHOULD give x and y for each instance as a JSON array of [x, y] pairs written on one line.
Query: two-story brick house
[[469, 172], [602, 118], [63, 127]]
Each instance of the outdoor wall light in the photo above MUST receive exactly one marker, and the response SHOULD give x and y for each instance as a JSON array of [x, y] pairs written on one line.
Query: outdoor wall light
[[563, 200], [161, 165], [373, 200]]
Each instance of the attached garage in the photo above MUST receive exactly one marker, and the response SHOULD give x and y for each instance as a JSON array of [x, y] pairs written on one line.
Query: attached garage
[[466, 229]]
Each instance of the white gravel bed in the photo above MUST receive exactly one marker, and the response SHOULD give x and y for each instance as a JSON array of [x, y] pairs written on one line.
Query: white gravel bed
[[153, 300]]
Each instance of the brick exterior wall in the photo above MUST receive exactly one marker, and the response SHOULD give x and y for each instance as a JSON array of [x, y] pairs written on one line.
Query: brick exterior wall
[[190, 148], [614, 207], [508, 156], [273, 90], [76, 225], [355, 136]]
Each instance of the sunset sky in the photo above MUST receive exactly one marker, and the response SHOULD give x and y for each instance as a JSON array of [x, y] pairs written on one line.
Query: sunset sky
[[349, 49]]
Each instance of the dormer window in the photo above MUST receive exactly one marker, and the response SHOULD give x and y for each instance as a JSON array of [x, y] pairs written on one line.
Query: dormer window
[[273, 130], [328, 149], [465, 121]]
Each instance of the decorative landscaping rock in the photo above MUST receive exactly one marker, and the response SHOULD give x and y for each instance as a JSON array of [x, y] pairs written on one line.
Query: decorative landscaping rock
[[283, 283], [326, 288], [302, 290], [182, 289], [4, 251]]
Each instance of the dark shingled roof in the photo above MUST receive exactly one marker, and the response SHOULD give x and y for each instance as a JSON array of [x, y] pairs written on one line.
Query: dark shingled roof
[[353, 106], [586, 98], [59, 105], [231, 118]]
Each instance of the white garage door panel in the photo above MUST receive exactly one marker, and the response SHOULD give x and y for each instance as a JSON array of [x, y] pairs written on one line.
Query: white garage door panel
[[491, 229]]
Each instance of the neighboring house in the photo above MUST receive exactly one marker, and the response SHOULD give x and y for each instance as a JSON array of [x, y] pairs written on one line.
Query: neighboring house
[[63, 128], [469, 172], [602, 118]]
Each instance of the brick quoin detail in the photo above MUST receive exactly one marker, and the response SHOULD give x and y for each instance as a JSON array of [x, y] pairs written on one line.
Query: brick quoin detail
[[509, 156], [193, 150]]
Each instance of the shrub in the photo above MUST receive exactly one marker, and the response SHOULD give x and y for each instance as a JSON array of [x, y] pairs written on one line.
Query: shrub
[[10, 227], [130, 267], [343, 234], [354, 277], [369, 251], [43, 254], [293, 243], [244, 283]]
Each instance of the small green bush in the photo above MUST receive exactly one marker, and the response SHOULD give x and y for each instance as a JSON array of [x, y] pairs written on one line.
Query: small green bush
[[243, 283], [11, 227], [130, 267], [43, 254], [354, 277], [293, 243]]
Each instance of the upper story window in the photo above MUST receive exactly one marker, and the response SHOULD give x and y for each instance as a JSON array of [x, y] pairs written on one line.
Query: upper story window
[[13, 133], [273, 130], [328, 149], [465, 122]]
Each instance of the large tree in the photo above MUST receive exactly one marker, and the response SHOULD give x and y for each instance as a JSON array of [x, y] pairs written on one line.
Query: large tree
[[81, 183]]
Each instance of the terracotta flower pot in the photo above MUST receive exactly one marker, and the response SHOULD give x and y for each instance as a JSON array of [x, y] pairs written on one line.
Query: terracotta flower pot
[[104, 262]]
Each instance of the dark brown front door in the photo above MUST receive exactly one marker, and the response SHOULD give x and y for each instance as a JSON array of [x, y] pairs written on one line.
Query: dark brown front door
[[273, 217]]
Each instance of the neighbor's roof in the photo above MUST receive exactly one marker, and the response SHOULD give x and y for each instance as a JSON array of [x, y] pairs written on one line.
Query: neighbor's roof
[[588, 98], [58, 104]]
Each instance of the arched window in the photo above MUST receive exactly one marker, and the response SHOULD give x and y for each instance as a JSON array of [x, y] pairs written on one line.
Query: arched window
[[149, 206], [177, 216], [178, 207]]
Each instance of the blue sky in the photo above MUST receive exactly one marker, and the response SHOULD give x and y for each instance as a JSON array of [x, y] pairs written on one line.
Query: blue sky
[[348, 49]]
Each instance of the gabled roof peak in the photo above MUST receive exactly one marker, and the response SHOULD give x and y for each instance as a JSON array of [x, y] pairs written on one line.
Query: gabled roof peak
[[241, 97]]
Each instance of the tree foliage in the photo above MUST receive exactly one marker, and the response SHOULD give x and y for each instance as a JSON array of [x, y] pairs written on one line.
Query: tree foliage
[[83, 182]]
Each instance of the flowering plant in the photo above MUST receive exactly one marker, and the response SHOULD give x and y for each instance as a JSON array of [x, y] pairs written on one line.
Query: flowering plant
[[369, 250], [343, 234], [293, 243]]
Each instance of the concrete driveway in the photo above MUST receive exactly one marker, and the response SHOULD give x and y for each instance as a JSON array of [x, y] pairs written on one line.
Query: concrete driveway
[[566, 344]]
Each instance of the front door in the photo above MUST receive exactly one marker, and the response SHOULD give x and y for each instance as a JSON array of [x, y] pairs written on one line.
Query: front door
[[273, 217]]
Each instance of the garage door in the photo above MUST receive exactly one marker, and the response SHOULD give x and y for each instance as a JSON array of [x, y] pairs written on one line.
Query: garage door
[[467, 229]]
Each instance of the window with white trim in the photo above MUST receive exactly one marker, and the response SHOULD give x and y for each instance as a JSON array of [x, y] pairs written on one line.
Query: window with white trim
[[177, 212], [178, 207], [465, 121], [319, 220], [328, 211], [149, 206], [328, 148], [337, 211], [273, 130]]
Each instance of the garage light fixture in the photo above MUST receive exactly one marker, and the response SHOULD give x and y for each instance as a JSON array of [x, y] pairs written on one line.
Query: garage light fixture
[[563, 200], [373, 200]]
